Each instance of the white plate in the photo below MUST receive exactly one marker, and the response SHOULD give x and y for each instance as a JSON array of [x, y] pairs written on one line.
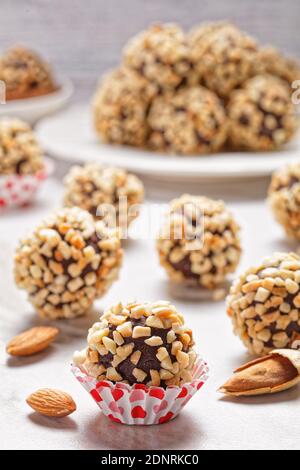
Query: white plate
[[33, 109], [70, 136]]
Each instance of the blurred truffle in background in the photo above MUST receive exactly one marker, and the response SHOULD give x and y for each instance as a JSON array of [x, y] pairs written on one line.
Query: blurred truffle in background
[[223, 56], [25, 74], [188, 121], [161, 55], [92, 187], [120, 107], [284, 198], [20, 153], [261, 114]]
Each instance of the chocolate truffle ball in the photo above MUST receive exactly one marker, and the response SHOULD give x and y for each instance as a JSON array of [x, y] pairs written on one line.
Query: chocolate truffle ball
[[199, 243], [120, 106], [222, 56], [261, 115], [20, 152], [159, 54], [25, 74], [189, 121], [93, 186], [284, 198], [271, 61], [144, 343], [264, 304], [67, 262]]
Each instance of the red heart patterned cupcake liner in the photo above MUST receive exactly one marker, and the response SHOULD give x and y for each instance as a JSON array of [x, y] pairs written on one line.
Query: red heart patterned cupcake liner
[[138, 404], [19, 190]]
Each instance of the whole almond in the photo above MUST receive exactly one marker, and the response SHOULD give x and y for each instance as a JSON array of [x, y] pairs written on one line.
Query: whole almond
[[51, 402], [32, 341]]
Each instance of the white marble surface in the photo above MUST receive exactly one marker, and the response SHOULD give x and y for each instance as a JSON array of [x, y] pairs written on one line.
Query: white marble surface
[[209, 421]]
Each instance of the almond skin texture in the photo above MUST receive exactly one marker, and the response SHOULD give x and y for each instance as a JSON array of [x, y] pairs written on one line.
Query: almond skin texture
[[32, 341], [51, 402]]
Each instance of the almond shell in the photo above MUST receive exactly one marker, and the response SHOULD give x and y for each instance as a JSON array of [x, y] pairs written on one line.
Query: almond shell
[[292, 355]]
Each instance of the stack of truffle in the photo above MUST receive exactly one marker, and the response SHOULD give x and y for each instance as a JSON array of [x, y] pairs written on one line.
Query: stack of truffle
[[196, 93]]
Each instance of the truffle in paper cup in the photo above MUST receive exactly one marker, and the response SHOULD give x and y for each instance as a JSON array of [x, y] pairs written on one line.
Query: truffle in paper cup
[[19, 190], [138, 404]]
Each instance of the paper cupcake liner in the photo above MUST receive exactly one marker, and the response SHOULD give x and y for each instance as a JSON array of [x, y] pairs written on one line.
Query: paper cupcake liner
[[19, 190], [138, 404]]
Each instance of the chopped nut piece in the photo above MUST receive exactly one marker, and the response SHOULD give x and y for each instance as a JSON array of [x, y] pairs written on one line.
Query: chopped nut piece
[[176, 346], [186, 339], [135, 357], [154, 341], [125, 351], [102, 350], [109, 344], [171, 336], [139, 374], [167, 363], [93, 355], [125, 329], [162, 354], [113, 375], [137, 312], [262, 294], [117, 320], [155, 377], [117, 360], [141, 331], [118, 338], [154, 322], [182, 358], [165, 374]]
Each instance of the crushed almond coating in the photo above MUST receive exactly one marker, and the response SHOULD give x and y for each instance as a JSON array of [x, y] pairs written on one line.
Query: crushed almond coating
[[189, 121], [264, 304], [284, 198], [120, 106], [146, 356], [271, 61], [222, 56], [93, 186], [261, 114], [203, 245], [67, 262], [25, 74], [20, 152], [160, 54]]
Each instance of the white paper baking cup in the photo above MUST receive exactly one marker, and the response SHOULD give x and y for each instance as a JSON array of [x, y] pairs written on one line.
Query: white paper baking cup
[[138, 404], [19, 190]]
